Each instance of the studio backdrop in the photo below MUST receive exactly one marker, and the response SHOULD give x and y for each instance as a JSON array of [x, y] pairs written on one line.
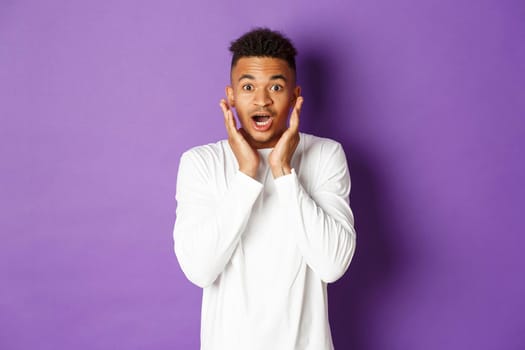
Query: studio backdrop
[[98, 100]]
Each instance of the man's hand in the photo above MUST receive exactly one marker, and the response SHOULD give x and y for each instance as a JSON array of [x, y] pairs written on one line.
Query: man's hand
[[281, 156], [247, 157]]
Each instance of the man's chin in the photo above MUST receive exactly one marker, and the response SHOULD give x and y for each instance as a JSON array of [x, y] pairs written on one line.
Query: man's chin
[[256, 140]]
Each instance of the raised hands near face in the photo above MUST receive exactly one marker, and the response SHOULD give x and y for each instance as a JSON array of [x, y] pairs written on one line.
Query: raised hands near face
[[281, 155], [247, 157]]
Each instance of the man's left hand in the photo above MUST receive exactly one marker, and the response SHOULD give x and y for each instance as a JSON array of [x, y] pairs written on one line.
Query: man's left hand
[[281, 155]]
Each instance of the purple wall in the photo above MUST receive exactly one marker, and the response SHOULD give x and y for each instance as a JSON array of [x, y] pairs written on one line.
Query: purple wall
[[98, 99]]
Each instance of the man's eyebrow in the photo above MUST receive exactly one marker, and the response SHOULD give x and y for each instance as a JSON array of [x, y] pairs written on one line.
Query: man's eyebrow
[[247, 76], [278, 76], [273, 77]]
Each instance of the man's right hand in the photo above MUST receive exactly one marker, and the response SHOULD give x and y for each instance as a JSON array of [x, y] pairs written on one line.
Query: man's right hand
[[247, 157]]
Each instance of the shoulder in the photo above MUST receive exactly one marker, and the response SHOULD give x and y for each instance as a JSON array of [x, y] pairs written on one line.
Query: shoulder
[[207, 159], [206, 153], [321, 146]]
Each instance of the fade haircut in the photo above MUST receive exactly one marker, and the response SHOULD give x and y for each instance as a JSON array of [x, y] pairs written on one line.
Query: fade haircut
[[263, 42]]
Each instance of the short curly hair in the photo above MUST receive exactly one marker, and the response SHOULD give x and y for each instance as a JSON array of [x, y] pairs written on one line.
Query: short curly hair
[[263, 42]]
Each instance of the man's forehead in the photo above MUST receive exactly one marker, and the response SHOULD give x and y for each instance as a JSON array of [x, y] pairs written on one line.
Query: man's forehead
[[261, 67]]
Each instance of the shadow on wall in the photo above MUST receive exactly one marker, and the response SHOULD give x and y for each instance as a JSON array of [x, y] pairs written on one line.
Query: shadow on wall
[[330, 103]]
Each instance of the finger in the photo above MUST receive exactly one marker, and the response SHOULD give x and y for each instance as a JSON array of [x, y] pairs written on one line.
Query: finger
[[229, 121], [224, 106], [294, 118]]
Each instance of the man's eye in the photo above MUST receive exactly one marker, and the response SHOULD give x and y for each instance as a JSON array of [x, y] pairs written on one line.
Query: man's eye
[[276, 87], [247, 87]]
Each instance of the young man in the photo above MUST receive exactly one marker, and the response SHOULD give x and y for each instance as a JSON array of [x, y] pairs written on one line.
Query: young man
[[263, 221]]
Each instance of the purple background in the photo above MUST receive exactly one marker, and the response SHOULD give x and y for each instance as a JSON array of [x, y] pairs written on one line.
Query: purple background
[[98, 99]]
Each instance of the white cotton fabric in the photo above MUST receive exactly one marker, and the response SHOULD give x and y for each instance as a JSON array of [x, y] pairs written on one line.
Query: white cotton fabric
[[264, 249]]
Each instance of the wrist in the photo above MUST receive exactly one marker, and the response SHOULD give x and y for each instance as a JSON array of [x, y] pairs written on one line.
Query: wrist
[[249, 171], [281, 170]]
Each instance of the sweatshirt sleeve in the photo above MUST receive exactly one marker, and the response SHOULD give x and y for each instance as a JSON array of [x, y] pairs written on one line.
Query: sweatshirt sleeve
[[208, 226], [322, 221]]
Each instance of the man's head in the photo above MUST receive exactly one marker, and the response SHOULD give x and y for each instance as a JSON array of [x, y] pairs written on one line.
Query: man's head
[[263, 42], [263, 85]]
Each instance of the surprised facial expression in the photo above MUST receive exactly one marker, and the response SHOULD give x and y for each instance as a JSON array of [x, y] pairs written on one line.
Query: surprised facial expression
[[262, 91]]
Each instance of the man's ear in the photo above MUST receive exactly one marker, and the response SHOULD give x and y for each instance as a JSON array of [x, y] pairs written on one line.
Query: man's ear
[[229, 95], [297, 92]]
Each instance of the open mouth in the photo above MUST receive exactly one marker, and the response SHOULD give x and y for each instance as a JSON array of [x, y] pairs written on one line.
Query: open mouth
[[261, 120]]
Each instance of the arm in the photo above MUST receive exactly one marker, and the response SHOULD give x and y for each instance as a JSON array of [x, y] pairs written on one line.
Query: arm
[[322, 221], [207, 230]]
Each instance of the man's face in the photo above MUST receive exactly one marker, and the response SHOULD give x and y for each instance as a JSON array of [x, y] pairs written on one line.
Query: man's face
[[263, 91]]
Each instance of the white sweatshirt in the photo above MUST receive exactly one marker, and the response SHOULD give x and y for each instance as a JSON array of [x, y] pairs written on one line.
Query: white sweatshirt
[[263, 250]]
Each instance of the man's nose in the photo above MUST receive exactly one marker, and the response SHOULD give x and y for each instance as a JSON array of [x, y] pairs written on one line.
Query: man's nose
[[262, 98]]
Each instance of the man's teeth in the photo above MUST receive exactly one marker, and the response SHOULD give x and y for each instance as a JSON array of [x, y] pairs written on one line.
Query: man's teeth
[[263, 123], [261, 120]]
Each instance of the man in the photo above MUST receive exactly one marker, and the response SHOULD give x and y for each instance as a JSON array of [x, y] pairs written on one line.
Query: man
[[263, 221]]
